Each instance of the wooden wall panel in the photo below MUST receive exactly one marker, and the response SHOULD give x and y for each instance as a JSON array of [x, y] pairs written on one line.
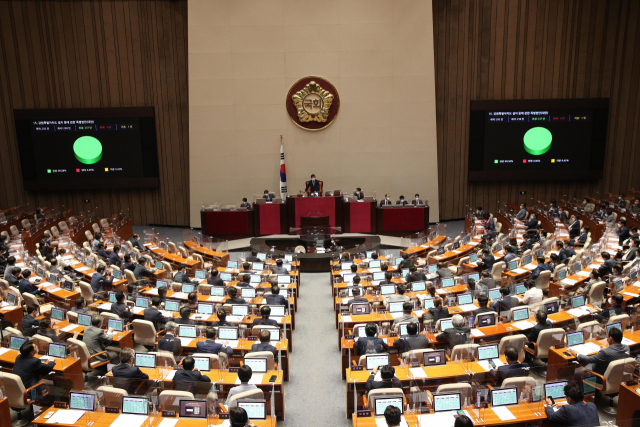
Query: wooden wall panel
[[99, 53], [529, 49]]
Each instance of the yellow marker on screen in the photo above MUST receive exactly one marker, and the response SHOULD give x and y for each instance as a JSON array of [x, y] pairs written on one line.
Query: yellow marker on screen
[[106, 169], [553, 160]]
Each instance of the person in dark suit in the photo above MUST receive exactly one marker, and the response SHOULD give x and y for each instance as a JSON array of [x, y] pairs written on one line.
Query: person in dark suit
[[599, 362], [153, 314], [576, 412], [13, 277], [128, 264], [252, 258], [386, 201], [522, 213], [45, 330], [456, 335], [487, 280], [185, 313], [28, 367], [275, 298], [126, 369], [488, 234], [483, 302], [265, 311], [443, 271], [244, 281], [135, 242], [510, 254], [114, 258], [313, 185], [401, 201], [479, 212], [607, 266], [615, 309], [584, 234], [80, 306], [540, 267], [416, 200], [190, 373], [169, 342], [489, 222], [574, 227], [563, 256], [512, 369], [211, 346], [279, 269], [359, 194], [407, 261], [102, 252], [99, 280], [24, 285], [389, 379], [370, 344], [356, 297], [233, 297], [411, 341], [487, 259], [267, 196], [506, 303], [623, 231], [541, 325], [532, 224], [45, 245], [213, 279], [632, 253], [245, 203], [222, 319], [415, 276], [438, 312], [120, 308], [182, 277], [264, 343]]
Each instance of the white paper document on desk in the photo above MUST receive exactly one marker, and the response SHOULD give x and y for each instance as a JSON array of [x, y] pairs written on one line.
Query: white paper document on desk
[[179, 295], [168, 422], [627, 341], [418, 372], [381, 422], [69, 328], [487, 366], [569, 282], [66, 416], [185, 341], [578, 312], [255, 379], [467, 307], [477, 333], [523, 324], [503, 413], [4, 350], [583, 273], [586, 348], [519, 270], [346, 319], [439, 419], [129, 420]]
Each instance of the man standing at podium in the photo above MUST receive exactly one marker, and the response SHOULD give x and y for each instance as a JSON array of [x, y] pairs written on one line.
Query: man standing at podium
[[313, 185]]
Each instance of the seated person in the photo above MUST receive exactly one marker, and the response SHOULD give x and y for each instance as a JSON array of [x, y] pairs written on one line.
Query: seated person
[[279, 269], [607, 267], [244, 375], [99, 280], [512, 369], [356, 297], [13, 277], [128, 264], [28, 367], [29, 323], [477, 289], [222, 319], [120, 308], [411, 341], [388, 378], [54, 266], [275, 298], [80, 304], [114, 258], [387, 278], [153, 314], [511, 254], [487, 260], [213, 278], [102, 252], [415, 276], [211, 346], [141, 271], [182, 277], [401, 289], [185, 314], [540, 267], [264, 343], [26, 286], [489, 234], [132, 292], [632, 253], [244, 281], [192, 301], [190, 373], [401, 201], [431, 290], [599, 362], [245, 203], [483, 302], [456, 335], [541, 324], [97, 239], [407, 261], [265, 311], [233, 297], [594, 278], [370, 344], [438, 311], [46, 331], [135, 242], [126, 369], [575, 412], [533, 296], [506, 303], [584, 235], [169, 342], [238, 418], [615, 309], [407, 309]]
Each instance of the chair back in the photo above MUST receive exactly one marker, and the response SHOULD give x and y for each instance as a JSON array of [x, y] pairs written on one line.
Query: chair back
[[519, 383], [110, 315], [255, 394], [72, 316], [622, 318], [89, 236], [82, 351], [271, 364], [128, 275], [86, 291], [172, 248], [616, 374], [42, 343], [95, 227], [166, 266], [14, 331], [112, 395], [596, 293], [26, 224], [14, 389], [104, 223], [63, 226], [144, 332], [164, 358], [496, 271], [415, 355], [464, 389], [543, 280], [516, 341], [184, 253], [55, 232], [464, 351], [14, 230], [383, 392], [30, 299], [13, 290], [169, 400], [546, 339], [257, 328]]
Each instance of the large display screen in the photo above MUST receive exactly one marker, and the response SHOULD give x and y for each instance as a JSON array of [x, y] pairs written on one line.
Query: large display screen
[[537, 139], [87, 148]]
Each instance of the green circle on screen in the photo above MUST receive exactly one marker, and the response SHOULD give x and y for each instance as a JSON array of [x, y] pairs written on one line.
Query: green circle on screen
[[87, 149], [537, 141]]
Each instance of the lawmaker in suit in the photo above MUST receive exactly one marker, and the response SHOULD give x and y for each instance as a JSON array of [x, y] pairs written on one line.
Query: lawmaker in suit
[[416, 200], [411, 341], [28, 367], [211, 346], [275, 298], [97, 340], [313, 185], [407, 308], [623, 231], [386, 201], [264, 338], [388, 378], [279, 269], [532, 224], [265, 311], [233, 297], [120, 308], [456, 335], [584, 234], [506, 303], [574, 227], [182, 277], [576, 412], [370, 344], [541, 325], [401, 201], [606, 267], [522, 213], [190, 373], [599, 362], [169, 342], [24, 285], [483, 302], [357, 298], [99, 280], [135, 242], [213, 279], [632, 253], [153, 314], [268, 197], [114, 258], [487, 259], [512, 369], [126, 369], [244, 375], [540, 267], [415, 276], [443, 271]]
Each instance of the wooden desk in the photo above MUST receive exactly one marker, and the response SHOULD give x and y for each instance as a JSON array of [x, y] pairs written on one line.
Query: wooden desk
[[401, 221], [173, 259], [13, 314], [207, 254], [102, 419], [86, 273], [69, 368], [124, 339], [5, 412], [422, 250], [227, 224], [628, 405]]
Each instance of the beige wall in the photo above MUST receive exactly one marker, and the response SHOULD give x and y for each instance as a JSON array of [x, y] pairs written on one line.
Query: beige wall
[[245, 54]]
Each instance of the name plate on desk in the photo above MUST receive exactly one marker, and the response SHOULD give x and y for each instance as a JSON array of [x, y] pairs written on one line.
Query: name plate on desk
[[168, 413], [111, 410], [348, 337], [363, 413], [393, 334], [252, 338], [234, 369], [357, 368], [61, 405], [224, 416]]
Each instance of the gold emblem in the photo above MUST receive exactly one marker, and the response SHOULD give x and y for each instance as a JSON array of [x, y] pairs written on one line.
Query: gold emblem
[[313, 103]]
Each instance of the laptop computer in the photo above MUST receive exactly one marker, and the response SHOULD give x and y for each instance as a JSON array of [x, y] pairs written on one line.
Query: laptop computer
[[578, 301], [380, 404], [446, 402], [228, 333], [138, 405], [513, 264], [485, 319], [171, 305], [519, 289], [375, 360], [57, 350], [395, 307], [187, 331], [418, 286], [474, 276], [284, 279], [239, 310], [116, 324], [248, 293], [145, 360], [255, 409], [447, 282], [555, 389], [465, 299], [188, 288], [142, 302], [57, 313], [257, 266], [519, 314], [82, 401], [494, 294], [551, 307], [16, 342], [360, 309], [504, 396], [257, 364], [431, 269], [84, 319], [202, 363], [378, 275], [387, 289], [446, 324]]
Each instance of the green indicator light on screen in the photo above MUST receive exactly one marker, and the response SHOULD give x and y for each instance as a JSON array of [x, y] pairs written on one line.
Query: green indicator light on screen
[[88, 150], [537, 141]]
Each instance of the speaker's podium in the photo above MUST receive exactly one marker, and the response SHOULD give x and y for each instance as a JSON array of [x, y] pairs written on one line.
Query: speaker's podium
[[314, 221]]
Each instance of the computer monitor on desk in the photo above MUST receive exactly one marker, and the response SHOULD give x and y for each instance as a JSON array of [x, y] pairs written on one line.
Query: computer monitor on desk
[[446, 402], [485, 319], [577, 301], [465, 299], [360, 309], [519, 314], [504, 396], [375, 360], [494, 295], [434, 358], [447, 282], [446, 324], [380, 404], [418, 286], [555, 389], [387, 289], [551, 307]]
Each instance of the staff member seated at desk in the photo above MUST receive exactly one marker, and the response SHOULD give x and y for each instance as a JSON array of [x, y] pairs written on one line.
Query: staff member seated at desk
[[264, 344], [575, 412], [192, 301], [607, 267], [370, 344], [98, 280], [401, 201], [238, 418], [97, 340], [275, 298], [313, 185], [414, 276], [438, 312], [46, 331], [26, 286], [267, 196], [411, 341], [211, 346], [407, 308], [387, 278], [29, 323], [623, 231], [244, 375], [389, 379], [245, 203], [386, 201], [126, 369], [28, 367], [127, 264], [416, 200], [443, 271], [190, 373], [456, 335], [182, 277], [265, 311], [483, 301], [512, 369], [169, 342], [234, 298], [487, 260], [279, 269], [532, 224]]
